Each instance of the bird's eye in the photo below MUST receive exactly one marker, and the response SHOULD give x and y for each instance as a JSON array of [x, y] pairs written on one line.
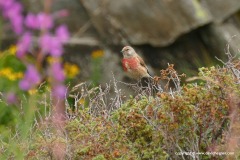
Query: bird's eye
[[127, 49]]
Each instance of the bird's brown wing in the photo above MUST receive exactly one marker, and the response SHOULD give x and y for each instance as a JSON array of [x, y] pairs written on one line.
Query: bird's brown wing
[[143, 64], [141, 61]]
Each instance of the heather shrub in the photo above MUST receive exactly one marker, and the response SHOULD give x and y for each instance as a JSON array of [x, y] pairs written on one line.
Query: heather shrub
[[195, 117]]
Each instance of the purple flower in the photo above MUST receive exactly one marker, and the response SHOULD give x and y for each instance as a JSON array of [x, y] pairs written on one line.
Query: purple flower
[[11, 98], [59, 91], [57, 72], [51, 45], [24, 85], [17, 24], [24, 44], [31, 21], [30, 78], [12, 11], [39, 21], [62, 33], [45, 21], [32, 75], [6, 4], [56, 49], [45, 43]]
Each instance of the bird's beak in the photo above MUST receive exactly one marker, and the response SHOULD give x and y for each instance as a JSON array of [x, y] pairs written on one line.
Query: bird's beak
[[121, 51]]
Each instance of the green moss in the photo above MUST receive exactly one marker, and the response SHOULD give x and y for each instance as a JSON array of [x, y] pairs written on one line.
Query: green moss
[[200, 12]]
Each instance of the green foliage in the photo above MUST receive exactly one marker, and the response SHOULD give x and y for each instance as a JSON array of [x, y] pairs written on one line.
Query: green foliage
[[96, 66], [15, 140], [11, 70]]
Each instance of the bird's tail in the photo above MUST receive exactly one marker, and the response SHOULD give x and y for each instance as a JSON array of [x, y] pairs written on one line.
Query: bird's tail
[[149, 75]]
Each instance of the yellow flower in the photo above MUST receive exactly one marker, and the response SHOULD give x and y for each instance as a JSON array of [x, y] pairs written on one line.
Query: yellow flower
[[32, 91], [81, 101], [71, 70], [9, 74], [12, 77], [5, 72], [97, 54], [51, 60], [19, 75], [12, 50]]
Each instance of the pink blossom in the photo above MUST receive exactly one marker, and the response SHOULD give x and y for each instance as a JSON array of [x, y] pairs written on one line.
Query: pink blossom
[[45, 43], [51, 45], [6, 4], [31, 78], [24, 44], [57, 72], [11, 98], [24, 85], [59, 91], [17, 22], [62, 33], [31, 21], [12, 10], [45, 21], [56, 47]]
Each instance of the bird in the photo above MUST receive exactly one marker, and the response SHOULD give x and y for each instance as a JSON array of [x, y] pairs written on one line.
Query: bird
[[133, 64]]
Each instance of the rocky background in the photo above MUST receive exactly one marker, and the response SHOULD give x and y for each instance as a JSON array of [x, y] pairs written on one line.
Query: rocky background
[[187, 33]]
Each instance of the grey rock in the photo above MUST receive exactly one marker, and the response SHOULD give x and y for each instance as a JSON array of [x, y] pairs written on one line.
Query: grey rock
[[154, 22], [221, 9]]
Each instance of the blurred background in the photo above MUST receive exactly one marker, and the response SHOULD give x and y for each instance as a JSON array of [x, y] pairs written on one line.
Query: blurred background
[[187, 33], [35, 77]]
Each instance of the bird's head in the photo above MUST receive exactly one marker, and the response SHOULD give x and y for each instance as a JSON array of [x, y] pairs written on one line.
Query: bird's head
[[128, 52]]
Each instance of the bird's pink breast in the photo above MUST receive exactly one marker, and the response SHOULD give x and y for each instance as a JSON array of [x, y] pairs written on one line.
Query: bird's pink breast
[[130, 63]]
